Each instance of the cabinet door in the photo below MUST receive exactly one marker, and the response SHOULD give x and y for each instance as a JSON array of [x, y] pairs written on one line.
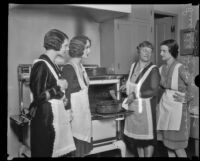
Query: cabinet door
[[123, 47], [142, 12], [107, 44], [142, 31]]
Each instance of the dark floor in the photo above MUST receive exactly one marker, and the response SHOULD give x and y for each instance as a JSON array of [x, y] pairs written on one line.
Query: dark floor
[[160, 151]]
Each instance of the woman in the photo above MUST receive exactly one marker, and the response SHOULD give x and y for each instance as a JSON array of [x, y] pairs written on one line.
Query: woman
[[50, 130], [174, 118], [77, 94], [141, 88]]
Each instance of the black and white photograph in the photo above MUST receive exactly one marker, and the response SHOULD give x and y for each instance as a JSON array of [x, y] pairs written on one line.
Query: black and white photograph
[[102, 80]]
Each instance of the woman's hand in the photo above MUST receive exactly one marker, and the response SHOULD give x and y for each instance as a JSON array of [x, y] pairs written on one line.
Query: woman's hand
[[179, 98], [131, 98], [123, 87], [63, 84], [113, 95]]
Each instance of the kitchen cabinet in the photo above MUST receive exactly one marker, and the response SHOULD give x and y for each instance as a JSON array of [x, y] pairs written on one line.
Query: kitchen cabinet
[[143, 16], [118, 41], [142, 12], [142, 31], [115, 45]]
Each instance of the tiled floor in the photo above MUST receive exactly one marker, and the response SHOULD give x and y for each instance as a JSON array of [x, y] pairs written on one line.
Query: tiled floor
[[160, 151]]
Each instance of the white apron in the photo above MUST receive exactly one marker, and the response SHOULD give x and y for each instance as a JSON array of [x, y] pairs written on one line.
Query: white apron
[[170, 112], [139, 125], [81, 115], [63, 142]]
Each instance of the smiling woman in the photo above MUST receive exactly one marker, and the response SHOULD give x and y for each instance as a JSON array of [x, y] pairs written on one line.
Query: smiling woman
[[141, 89]]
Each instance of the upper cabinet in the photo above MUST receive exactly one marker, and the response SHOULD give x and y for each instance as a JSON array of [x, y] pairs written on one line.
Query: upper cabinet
[[116, 45], [119, 41], [142, 12]]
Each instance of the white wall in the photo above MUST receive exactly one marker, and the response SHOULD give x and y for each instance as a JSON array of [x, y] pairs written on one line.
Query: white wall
[[27, 26]]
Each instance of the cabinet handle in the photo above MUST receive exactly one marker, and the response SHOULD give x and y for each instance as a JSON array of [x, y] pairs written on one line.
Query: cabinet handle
[[118, 66]]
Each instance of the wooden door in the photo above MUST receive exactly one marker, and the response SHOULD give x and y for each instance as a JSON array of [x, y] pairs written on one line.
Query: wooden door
[[123, 47], [162, 32]]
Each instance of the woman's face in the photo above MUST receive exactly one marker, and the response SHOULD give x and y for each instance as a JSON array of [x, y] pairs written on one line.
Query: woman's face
[[64, 48], [86, 50], [164, 52], [145, 54]]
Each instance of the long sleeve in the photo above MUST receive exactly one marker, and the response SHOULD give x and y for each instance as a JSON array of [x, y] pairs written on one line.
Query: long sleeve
[[151, 85], [186, 77], [42, 81]]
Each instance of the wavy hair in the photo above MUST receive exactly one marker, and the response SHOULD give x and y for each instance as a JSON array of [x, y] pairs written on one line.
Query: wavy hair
[[144, 44], [77, 45], [54, 39]]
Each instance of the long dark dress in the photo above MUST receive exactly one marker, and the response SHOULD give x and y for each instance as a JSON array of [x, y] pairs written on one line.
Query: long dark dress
[[149, 89], [82, 147], [42, 131]]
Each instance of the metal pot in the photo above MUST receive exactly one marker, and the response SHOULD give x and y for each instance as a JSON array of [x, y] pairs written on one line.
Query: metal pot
[[106, 107], [98, 71]]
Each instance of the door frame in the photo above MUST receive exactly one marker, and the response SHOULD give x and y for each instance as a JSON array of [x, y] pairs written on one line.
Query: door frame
[[176, 26]]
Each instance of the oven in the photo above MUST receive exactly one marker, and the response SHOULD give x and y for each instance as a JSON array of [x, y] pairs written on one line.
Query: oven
[[104, 128]]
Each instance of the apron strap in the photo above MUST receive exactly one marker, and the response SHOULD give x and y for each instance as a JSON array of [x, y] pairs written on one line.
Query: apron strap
[[49, 66], [85, 76], [128, 80], [160, 69], [174, 81], [139, 86], [81, 83], [132, 66], [141, 81]]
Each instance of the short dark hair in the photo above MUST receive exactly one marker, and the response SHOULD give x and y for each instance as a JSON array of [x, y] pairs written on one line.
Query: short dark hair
[[54, 39], [172, 46], [145, 44], [77, 45]]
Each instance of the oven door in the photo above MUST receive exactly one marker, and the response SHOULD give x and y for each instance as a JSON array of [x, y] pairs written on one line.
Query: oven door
[[104, 130]]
